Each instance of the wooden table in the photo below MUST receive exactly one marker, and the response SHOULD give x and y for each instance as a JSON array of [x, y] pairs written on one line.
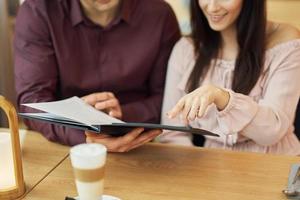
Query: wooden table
[[40, 157], [164, 172]]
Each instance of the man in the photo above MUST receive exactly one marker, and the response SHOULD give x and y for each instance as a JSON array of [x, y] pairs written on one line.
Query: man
[[112, 53]]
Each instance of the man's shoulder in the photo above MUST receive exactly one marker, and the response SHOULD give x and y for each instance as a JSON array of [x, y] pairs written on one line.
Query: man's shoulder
[[42, 5], [162, 4], [154, 6]]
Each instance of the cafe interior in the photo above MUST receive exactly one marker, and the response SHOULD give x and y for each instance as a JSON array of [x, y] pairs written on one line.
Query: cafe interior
[[34, 168]]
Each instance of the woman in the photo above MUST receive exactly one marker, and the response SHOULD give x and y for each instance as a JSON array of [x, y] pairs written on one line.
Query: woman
[[237, 75]]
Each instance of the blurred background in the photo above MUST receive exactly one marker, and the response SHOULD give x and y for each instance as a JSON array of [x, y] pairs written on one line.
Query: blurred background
[[278, 10]]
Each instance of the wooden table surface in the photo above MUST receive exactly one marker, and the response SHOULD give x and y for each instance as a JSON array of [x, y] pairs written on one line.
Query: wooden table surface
[[165, 172], [40, 157]]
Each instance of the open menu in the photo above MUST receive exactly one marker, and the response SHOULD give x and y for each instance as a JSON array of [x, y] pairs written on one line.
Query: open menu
[[74, 112]]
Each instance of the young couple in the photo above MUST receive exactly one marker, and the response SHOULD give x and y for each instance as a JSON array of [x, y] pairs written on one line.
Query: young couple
[[237, 74]]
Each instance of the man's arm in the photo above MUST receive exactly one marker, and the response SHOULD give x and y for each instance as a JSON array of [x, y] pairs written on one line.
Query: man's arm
[[149, 109], [36, 73]]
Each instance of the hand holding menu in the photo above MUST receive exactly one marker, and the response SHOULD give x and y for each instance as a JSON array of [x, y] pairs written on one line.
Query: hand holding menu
[[74, 112]]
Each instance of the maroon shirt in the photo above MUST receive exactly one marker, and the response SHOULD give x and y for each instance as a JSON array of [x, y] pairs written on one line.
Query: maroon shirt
[[60, 53]]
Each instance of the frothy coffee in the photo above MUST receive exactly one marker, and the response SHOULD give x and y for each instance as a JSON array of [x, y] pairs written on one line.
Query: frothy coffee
[[88, 162], [88, 156]]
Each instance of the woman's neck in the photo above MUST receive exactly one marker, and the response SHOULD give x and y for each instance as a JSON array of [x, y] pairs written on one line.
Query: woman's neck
[[230, 48], [101, 18]]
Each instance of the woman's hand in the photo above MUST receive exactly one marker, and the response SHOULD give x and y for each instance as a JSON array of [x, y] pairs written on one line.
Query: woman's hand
[[131, 140], [194, 104], [105, 101]]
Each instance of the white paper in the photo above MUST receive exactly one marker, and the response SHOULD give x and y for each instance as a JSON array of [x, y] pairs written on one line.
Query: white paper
[[75, 109]]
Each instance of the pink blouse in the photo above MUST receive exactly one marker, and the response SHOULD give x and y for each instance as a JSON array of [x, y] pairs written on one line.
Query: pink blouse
[[259, 122]]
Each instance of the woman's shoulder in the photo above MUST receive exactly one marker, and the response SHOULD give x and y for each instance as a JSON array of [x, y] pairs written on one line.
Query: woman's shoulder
[[184, 48], [283, 46], [280, 33], [182, 55], [185, 42]]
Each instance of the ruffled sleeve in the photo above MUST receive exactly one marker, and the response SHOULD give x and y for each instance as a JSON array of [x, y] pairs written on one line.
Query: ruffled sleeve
[[268, 119]]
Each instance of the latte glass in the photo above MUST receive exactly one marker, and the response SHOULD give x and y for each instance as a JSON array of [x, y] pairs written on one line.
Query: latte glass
[[88, 161]]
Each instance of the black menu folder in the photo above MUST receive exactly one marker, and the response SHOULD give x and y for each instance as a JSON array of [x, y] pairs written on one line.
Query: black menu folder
[[74, 112]]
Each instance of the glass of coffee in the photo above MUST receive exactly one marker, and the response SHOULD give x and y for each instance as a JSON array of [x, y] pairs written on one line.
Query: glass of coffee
[[88, 161]]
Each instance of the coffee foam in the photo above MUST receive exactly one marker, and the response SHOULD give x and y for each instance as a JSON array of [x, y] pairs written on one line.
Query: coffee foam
[[88, 156]]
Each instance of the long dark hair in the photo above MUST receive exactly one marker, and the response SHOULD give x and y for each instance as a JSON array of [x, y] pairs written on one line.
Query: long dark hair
[[251, 34]]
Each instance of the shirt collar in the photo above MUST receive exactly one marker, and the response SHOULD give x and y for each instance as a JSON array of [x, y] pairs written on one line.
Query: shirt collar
[[77, 16]]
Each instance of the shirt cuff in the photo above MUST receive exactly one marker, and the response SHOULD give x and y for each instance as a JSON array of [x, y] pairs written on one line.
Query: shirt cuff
[[76, 137], [238, 113]]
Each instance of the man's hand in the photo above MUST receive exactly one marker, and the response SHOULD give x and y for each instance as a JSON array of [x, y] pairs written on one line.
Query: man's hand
[[105, 101], [131, 140]]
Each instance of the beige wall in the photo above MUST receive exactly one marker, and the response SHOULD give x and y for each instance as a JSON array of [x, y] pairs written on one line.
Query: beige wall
[[287, 11]]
